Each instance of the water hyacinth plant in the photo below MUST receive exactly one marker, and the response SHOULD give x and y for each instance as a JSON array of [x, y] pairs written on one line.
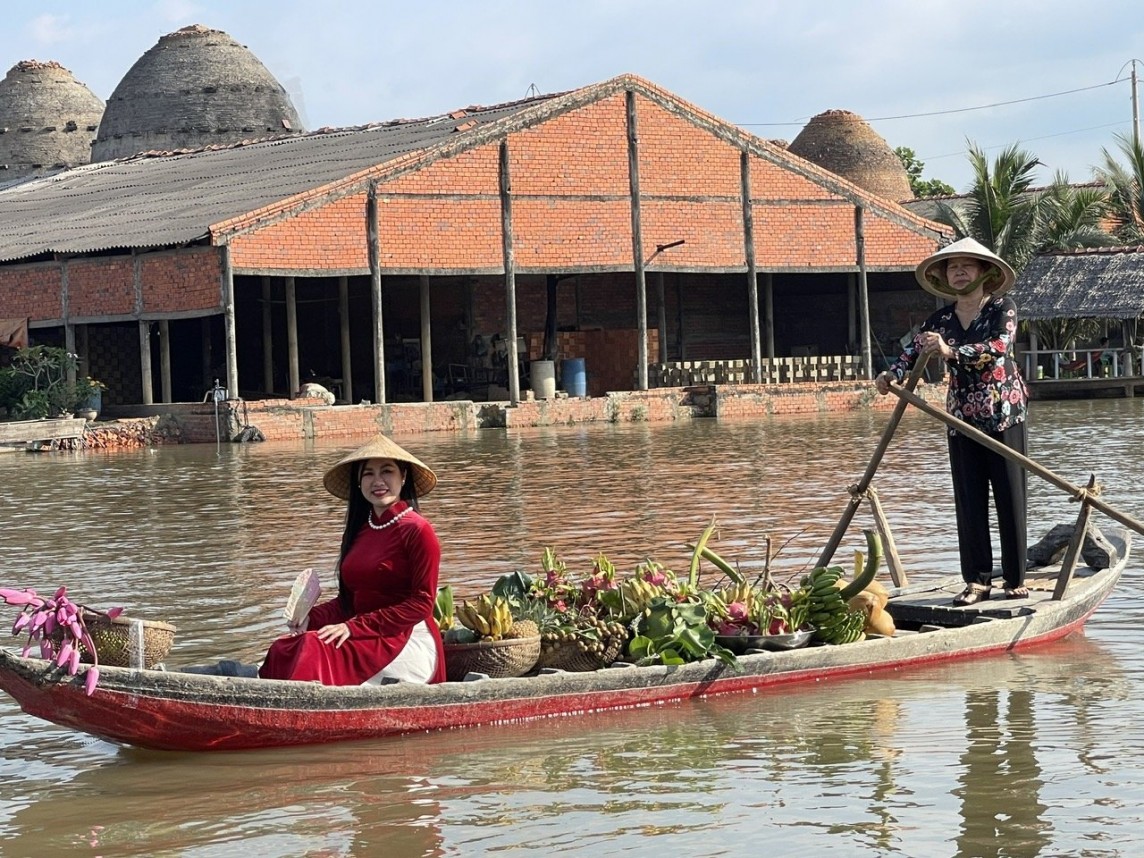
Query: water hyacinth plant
[[57, 625]]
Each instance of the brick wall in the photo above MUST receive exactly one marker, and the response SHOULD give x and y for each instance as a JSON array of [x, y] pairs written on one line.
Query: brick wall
[[101, 287]]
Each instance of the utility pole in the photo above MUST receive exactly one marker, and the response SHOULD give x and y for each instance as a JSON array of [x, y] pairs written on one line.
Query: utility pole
[[1135, 109]]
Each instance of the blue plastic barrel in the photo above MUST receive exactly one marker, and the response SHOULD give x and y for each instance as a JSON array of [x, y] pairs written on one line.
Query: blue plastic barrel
[[575, 377]]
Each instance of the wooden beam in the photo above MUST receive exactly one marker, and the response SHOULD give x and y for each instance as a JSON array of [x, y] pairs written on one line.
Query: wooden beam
[[229, 324], [863, 292], [267, 337], [344, 325], [426, 343], [752, 271], [508, 254], [293, 375], [165, 361], [373, 242], [637, 239], [145, 379]]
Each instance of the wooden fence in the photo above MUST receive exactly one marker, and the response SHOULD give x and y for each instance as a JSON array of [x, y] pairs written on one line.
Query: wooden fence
[[786, 370]]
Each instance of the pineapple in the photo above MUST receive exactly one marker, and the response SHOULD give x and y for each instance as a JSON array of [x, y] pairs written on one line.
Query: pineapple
[[522, 629]]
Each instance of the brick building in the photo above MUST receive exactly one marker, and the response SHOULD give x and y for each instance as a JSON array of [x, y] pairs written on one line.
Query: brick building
[[397, 261]]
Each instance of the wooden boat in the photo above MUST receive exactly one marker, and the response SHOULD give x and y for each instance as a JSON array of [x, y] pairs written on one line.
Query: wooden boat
[[195, 709]]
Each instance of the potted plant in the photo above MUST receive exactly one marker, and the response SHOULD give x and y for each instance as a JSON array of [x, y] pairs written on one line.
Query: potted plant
[[88, 398]]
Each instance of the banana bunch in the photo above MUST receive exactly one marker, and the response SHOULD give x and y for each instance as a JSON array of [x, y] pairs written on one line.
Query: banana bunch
[[636, 595], [741, 593], [489, 618], [827, 611]]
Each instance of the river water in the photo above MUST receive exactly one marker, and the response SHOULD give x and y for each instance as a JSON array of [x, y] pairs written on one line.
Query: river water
[[1037, 754]]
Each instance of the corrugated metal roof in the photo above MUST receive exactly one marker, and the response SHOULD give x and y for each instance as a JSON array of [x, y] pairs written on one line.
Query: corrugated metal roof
[[172, 200]]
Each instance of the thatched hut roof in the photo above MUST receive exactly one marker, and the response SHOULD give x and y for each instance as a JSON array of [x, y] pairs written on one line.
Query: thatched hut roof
[[844, 143], [47, 120], [197, 87], [1106, 283]]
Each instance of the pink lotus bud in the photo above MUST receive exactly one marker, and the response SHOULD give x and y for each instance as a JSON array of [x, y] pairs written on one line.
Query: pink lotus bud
[[16, 597], [46, 648], [64, 653], [21, 622], [50, 624], [76, 629], [112, 613], [73, 661], [91, 680], [38, 620], [61, 593]]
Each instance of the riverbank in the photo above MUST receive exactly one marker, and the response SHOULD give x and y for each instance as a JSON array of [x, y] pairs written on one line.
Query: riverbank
[[305, 419]]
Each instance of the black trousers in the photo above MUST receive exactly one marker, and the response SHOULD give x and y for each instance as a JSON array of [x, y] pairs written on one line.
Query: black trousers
[[975, 469]]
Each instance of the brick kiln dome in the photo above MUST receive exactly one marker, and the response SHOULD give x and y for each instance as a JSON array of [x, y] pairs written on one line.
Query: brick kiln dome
[[844, 143], [197, 87], [47, 120]]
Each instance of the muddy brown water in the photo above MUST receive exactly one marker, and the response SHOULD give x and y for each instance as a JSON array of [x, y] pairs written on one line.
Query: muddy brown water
[[1025, 755]]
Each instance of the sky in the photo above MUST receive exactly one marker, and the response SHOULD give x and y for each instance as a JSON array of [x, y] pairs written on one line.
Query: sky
[[1052, 76]]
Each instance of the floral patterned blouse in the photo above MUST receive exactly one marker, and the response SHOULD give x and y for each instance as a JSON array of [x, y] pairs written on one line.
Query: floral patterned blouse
[[986, 389]]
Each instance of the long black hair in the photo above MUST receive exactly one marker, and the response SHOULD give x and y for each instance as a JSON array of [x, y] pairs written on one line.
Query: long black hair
[[358, 509]]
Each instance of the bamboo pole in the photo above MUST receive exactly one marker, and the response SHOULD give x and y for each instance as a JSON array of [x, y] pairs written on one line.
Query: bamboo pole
[[1080, 531], [858, 491], [1024, 461]]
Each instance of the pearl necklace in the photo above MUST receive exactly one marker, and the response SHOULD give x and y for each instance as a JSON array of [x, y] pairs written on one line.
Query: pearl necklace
[[394, 520]]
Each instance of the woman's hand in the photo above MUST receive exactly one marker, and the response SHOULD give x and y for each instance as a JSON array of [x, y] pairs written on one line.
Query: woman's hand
[[931, 342], [336, 634], [882, 382]]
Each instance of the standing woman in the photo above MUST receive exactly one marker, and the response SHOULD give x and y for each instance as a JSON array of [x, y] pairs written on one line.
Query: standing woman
[[975, 336], [380, 625]]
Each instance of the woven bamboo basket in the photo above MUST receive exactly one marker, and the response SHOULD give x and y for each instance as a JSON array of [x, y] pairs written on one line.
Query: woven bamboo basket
[[112, 639], [499, 659], [567, 655]]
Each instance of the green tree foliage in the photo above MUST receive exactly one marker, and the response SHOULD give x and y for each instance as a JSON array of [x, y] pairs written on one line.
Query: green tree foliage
[[1125, 186], [914, 167]]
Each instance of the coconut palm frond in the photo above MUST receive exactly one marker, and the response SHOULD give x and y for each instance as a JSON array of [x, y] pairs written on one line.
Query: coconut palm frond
[[1125, 184]]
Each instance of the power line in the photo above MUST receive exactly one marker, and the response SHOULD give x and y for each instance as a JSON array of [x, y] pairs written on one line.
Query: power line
[[929, 158], [951, 110]]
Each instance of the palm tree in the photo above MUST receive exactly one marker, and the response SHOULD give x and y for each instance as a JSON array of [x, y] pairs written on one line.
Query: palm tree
[[1126, 189], [1001, 212], [1071, 216]]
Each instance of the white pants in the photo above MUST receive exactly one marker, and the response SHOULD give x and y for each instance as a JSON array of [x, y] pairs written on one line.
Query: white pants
[[417, 662]]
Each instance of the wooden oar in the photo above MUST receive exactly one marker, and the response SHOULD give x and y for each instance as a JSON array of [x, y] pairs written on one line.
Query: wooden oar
[[1022, 460], [858, 491]]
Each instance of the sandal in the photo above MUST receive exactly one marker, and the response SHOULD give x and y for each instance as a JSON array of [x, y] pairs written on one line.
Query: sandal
[[972, 594], [1016, 592]]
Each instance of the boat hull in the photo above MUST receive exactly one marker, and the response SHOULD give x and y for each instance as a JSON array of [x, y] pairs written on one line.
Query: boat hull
[[173, 710]]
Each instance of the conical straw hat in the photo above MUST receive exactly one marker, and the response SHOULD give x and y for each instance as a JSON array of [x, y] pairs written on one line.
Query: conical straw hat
[[339, 479], [932, 278]]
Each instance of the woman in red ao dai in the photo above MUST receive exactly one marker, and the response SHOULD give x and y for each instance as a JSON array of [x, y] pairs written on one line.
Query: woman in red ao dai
[[380, 625]]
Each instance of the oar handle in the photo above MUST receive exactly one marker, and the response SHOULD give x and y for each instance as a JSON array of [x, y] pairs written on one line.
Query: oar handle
[[875, 460], [1022, 460]]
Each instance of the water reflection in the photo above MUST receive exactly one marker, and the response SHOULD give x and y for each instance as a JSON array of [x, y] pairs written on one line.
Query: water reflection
[[1001, 782]]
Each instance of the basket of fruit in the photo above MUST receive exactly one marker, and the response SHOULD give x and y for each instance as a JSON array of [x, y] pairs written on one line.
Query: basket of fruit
[[590, 644], [490, 642]]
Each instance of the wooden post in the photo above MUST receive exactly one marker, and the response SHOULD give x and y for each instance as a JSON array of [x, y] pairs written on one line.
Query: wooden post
[[145, 379], [637, 241], [207, 353], [1076, 544], [507, 254], [165, 360], [889, 547], [83, 349], [426, 343], [292, 372], [373, 241], [229, 324], [752, 271], [661, 309], [769, 313], [681, 331], [267, 337], [863, 292], [344, 324]]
